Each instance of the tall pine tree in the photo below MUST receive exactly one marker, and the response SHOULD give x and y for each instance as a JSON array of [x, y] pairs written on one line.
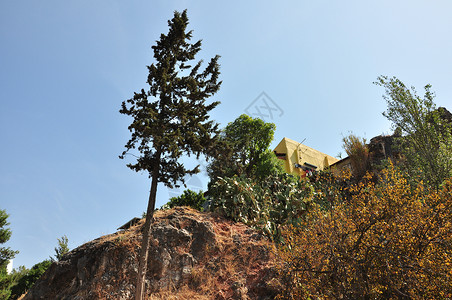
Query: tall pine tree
[[171, 118]]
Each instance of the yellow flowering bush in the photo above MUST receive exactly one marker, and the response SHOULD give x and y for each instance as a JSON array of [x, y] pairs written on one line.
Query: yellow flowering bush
[[387, 241]]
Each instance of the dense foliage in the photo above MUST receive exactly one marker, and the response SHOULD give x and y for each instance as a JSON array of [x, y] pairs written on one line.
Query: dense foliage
[[171, 118], [427, 135], [188, 198], [388, 241], [5, 255], [331, 189], [5, 284], [266, 204], [13, 285], [5, 233], [7, 281], [245, 150], [22, 279], [25, 279]]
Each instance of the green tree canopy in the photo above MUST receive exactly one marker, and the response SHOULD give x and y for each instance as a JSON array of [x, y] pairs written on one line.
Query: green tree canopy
[[245, 150], [171, 119], [5, 233], [427, 137], [27, 278]]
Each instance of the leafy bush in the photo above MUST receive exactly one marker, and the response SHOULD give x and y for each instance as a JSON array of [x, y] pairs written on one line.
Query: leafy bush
[[188, 198], [243, 150], [266, 204], [388, 241], [28, 279], [5, 284], [331, 189]]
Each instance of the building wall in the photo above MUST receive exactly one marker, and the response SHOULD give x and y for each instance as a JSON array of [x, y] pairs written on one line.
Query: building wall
[[9, 267], [299, 158]]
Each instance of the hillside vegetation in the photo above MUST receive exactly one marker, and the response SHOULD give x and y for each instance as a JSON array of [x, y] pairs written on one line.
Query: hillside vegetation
[[376, 239]]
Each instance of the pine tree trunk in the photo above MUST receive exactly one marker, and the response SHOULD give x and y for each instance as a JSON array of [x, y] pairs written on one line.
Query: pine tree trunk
[[144, 253]]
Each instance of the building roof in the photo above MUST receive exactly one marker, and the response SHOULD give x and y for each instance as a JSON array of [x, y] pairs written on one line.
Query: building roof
[[129, 224]]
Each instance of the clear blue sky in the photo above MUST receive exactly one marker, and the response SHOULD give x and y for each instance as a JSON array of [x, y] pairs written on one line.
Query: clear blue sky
[[66, 66]]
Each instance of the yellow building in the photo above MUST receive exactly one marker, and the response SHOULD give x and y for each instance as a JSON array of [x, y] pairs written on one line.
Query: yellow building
[[300, 159]]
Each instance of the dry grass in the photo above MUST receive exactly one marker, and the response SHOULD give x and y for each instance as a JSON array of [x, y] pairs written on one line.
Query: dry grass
[[182, 293]]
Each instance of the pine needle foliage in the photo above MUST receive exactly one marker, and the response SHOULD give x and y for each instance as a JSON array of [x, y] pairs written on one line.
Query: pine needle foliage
[[5, 233], [5, 255], [61, 249]]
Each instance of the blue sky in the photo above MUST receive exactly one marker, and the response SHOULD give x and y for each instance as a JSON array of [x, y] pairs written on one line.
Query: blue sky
[[66, 66]]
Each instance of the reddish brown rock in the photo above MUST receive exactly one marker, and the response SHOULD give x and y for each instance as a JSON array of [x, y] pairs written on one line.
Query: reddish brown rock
[[193, 255]]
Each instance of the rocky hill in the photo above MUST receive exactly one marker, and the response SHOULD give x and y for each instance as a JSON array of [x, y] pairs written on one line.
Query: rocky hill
[[193, 255]]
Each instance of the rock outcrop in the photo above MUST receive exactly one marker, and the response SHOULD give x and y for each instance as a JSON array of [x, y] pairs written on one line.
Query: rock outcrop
[[193, 255]]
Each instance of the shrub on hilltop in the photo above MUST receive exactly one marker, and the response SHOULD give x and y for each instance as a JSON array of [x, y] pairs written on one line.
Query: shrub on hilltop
[[387, 241]]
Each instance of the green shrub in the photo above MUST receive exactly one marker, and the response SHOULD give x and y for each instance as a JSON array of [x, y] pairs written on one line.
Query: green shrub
[[28, 279], [188, 198], [266, 204]]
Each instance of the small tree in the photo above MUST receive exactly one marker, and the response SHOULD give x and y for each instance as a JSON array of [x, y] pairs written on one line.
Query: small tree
[[5, 255], [245, 150], [358, 153], [171, 118], [61, 249], [5, 233], [427, 137]]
